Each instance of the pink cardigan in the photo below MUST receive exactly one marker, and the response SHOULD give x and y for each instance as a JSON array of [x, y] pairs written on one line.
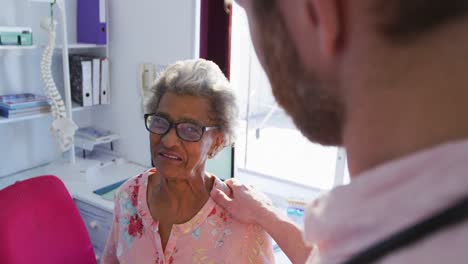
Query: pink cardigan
[[211, 236]]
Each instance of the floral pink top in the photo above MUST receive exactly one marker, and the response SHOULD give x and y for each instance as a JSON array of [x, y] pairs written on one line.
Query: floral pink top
[[211, 236]]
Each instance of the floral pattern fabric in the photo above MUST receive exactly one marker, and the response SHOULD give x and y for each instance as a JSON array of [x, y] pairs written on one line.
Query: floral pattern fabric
[[212, 236]]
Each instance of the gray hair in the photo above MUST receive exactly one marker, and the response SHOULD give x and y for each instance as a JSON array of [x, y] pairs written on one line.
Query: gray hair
[[199, 78]]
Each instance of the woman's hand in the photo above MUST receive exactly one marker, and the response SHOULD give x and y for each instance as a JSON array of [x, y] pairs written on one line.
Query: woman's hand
[[244, 203]]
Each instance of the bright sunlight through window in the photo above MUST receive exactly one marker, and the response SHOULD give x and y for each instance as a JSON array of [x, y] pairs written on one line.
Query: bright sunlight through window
[[268, 142]]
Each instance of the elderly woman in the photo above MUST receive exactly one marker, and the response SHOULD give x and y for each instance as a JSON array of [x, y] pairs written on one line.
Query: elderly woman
[[166, 215]]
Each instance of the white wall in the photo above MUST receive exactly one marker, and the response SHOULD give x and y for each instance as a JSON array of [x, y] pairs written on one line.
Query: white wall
[[158, 32]]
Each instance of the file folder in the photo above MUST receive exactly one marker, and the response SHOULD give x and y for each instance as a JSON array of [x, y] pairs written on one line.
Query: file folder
[[91, 22], [87, 94], [81, 80], [96, 80], [104, 87]]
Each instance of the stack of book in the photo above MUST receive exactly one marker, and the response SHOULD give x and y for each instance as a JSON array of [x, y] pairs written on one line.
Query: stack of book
[[15, 105]]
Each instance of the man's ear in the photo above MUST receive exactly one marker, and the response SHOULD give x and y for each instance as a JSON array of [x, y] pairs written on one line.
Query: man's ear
[[327, 15], [315, 26]]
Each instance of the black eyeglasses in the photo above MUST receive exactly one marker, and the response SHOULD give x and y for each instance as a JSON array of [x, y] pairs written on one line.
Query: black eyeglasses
[[185, 130]]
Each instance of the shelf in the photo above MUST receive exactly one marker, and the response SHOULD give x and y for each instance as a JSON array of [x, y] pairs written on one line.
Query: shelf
[[70, 46], [42, 1], [89, 144], [82, 46], [7, 47], [4, 120], [16, 50]]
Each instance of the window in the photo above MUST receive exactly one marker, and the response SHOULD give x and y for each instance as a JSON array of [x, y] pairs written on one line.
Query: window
[[268, 142]]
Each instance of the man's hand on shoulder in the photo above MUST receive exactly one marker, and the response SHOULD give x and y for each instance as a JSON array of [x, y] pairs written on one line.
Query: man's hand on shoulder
[[253, 207], [246, 204]]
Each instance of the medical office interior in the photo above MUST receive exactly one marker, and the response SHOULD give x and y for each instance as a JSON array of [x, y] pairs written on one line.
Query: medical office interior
[[126, 44]]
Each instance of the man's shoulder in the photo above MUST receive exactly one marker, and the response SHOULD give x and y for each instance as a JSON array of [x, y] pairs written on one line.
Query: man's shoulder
[[446, 246]]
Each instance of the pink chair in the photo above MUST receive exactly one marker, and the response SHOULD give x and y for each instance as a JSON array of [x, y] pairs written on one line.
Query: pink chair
[[39, 223]]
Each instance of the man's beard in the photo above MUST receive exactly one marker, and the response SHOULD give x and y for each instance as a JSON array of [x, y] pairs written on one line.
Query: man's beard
[[316, 111]]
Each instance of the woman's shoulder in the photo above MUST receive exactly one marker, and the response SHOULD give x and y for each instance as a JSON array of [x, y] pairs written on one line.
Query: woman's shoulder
[[134, 183], [223, 213]]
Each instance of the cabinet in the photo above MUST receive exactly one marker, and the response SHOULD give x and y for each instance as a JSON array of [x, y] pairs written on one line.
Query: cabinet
[[98, 222], [26, 141]]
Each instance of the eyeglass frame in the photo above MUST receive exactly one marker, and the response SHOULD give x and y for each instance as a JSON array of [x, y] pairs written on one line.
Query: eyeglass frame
[[175, 124]]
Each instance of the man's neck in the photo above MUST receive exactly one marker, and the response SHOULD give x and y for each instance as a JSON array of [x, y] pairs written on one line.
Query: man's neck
[[417, 100]]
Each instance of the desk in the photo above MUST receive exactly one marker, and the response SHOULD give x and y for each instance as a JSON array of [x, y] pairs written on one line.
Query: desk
[[81, 179]]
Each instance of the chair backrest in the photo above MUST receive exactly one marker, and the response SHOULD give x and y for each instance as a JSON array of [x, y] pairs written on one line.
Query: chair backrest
[[39, 223]]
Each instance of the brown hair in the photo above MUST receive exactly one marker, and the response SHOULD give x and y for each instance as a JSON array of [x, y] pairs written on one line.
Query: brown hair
[[402, 21], [405, 20]]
